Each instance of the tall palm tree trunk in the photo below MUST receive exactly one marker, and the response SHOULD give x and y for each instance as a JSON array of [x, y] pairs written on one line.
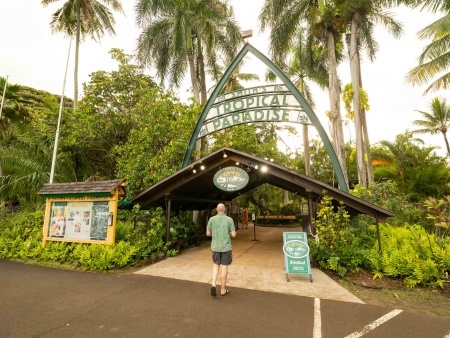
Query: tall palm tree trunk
[[77, 53], [445, 139], [203, 94], [305, 134], [190, 56], [354, 71], [366, 141], [334, 92]]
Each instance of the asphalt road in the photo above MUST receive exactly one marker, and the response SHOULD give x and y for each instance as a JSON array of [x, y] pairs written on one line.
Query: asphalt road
[[44, 302]]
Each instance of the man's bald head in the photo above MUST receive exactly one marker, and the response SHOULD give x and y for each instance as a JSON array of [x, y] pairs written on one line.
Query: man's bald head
[[220, 208]]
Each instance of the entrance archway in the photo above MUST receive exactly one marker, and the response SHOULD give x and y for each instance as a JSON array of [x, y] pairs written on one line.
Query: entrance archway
[[274, 103]]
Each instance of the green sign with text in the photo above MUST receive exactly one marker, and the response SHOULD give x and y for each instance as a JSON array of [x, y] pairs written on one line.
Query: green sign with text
[[296, 254]]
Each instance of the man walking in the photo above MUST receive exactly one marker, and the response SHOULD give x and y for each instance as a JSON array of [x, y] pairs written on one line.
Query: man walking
[[221, 229]]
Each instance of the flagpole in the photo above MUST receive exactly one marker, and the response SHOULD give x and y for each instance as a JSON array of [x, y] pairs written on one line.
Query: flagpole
[[3, 98], [55, 147]]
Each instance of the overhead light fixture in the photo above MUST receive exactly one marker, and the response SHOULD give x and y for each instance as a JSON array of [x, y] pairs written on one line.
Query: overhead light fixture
[[237, 163], [202, 167], [256, 166], [194, 171], [225, 155], [264, 169], [271, 160]]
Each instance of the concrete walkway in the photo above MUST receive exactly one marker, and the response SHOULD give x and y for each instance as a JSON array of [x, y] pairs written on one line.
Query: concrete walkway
[[257, 265]]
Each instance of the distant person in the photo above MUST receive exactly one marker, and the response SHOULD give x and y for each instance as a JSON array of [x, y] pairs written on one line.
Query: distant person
[[244, 218], [221, 229]]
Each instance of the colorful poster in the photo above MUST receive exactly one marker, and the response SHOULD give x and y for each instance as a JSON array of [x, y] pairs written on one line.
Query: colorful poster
[[78, 221], [100, 219], [83, 220], [58, 216]]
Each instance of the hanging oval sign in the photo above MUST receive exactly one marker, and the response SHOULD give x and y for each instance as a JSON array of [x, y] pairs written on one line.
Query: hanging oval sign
[[231, 179]]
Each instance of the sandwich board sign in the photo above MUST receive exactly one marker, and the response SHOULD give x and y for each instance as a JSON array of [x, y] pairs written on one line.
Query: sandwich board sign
[[296, 254]]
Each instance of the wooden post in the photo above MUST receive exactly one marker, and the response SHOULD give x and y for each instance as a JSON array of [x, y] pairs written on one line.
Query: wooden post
[[168, 209]]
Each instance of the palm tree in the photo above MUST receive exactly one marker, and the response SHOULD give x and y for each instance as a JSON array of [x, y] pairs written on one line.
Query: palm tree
[[82, 18], [284, 18], [436, 121], [236, 77], [434, 60], [362, 16], [181, 34]]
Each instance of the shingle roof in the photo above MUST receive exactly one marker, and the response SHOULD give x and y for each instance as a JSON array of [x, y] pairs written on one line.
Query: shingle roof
[[80, 188]]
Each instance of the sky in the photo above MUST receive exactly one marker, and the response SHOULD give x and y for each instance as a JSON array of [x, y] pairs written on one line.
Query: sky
[[33, 56]]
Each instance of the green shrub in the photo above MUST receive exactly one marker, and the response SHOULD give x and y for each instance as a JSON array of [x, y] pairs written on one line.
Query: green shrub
[[338, 247], [137, 240], [412, 254]]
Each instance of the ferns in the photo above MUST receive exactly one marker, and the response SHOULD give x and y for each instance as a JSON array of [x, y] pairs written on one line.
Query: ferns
[[410, 253]]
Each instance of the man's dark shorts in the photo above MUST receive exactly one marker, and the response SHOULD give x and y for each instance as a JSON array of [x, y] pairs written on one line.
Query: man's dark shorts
[[222, 258]]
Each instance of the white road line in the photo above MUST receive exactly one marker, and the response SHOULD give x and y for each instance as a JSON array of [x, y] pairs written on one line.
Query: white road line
[[317, 333], [374, 324]]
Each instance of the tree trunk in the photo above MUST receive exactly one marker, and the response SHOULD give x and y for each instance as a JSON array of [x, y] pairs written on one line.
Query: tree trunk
[[77, 51], [366, 141], [190, 56], [334, 92], [203, 95], [445, 138], [354, 71], [201, 68], [305, 134]]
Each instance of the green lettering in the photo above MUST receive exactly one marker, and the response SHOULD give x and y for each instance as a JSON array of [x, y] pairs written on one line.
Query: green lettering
[[259, 114], [236, 117], [226, 107], [216, 124], [249, 101], [237, 106], [275, 101], [225, 122], [247, 117], [276, 115], [264, 100], [285, 115]]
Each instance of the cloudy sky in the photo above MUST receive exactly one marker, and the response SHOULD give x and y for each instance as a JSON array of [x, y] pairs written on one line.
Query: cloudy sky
[[31, 55]]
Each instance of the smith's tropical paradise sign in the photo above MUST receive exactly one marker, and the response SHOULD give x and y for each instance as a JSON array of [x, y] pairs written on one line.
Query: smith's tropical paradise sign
[[272, 103], [296, 254], [231, 179]]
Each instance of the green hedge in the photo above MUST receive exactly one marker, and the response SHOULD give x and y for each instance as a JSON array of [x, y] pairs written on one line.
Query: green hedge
[[21, 238]]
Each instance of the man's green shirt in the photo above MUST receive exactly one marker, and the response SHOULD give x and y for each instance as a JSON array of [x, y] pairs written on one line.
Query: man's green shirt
[[220, 227]]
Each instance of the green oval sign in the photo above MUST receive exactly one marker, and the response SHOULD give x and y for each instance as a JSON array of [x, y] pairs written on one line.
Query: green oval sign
[[231, 179], [296, 249]]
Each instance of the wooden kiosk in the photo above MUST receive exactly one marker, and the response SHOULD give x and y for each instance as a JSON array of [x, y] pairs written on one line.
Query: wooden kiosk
[[82, 212]]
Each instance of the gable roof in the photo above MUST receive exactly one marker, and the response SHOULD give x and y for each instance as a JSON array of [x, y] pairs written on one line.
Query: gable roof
[[93, 188], [196, 191]]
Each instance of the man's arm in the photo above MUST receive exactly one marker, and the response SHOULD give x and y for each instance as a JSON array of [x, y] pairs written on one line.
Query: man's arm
[[208, 233], [233, 233]]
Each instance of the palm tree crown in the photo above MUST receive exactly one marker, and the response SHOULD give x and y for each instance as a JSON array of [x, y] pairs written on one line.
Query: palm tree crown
[[81, 18], [436, 121]]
